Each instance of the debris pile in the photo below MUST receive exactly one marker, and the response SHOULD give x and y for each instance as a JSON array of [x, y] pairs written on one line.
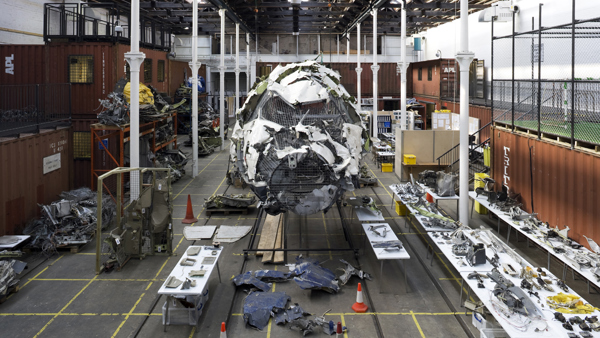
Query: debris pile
[[298, 139], [69, 221], [174, 159], [9, 269], [229, 201]]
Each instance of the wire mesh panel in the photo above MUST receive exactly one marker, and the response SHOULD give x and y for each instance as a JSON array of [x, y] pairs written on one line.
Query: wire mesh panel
[[556, 81]]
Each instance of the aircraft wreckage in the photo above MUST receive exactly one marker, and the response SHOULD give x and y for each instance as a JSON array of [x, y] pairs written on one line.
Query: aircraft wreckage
[[298, 139]]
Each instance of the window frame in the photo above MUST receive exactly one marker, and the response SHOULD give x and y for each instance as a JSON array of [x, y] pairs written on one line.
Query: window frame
[[147, 70], [160, 77], [69, 63], [429, 73], [420, 74]]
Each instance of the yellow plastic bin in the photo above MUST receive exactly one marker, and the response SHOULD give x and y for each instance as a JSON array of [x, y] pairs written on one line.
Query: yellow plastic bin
[[387, 167], [479, 184], [410, 159], [401, 209]]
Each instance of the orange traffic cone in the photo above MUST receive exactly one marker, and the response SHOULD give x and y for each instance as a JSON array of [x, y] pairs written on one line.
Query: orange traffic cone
[[189, 214], [338, 331], [359, 306], [223, 332]]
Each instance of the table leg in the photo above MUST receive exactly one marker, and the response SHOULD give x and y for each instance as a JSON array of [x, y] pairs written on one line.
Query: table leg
[[380, 275], [588, 287], [564, 271], [528, 242], [219, 271], [462, 283], [166, 314], [405, 277], [472, 206], [432, 254], [548, 260], [498, 224], [508, 234]]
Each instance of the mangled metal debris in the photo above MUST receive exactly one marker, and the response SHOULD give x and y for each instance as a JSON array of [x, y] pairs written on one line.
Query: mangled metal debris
[[294, 312], [229, 201], [311, 275], [9, 269], [70, 221], [259, 306], [298, 139], [174, 159], [350, 271], [248, 279]]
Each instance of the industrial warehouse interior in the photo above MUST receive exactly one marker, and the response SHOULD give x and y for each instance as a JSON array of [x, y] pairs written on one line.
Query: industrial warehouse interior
[[290, 168]]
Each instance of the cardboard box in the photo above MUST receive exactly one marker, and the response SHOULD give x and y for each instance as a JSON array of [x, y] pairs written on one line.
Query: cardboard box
[[410, 159]]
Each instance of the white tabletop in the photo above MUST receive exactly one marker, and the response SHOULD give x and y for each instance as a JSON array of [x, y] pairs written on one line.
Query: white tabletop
[[384, 147], [367, 215], [389, 236], [434, 195], [181, 272], [385, 153], [533, 236]]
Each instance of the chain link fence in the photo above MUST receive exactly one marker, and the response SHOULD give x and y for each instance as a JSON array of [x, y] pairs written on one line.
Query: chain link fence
[[547, 81]]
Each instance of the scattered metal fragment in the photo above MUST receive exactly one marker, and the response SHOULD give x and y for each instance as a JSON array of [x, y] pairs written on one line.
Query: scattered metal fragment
[[388, 245], [259, 306], [311, 275], [249, 280], [9, 269], [350, 271], [270, 276], [283, 316]]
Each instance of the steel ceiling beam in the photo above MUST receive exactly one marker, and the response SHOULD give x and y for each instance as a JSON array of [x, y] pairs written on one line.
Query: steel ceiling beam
[[232, 15]]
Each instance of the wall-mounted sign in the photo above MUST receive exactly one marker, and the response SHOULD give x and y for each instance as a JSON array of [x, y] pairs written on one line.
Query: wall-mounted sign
[[51, 163]]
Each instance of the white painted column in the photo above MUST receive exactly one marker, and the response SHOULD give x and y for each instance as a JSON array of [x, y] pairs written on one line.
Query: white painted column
[[375, 69], [237, 67], [319, 44], [222, 82], [135, 59], [277, 45], [358, 70], [248, 83], [348, 47], [338, 47], [464, 58], [194, 66], [403, 67]]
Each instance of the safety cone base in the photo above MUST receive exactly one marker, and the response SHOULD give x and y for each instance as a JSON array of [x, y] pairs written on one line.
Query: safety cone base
[[360, 307]]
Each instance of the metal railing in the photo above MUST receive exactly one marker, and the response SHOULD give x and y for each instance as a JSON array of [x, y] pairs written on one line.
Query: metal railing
[[81, 22], [546, 80], [29, 108]]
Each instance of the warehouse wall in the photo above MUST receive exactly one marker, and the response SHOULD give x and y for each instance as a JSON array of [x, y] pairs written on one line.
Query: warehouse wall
[[177, 71], [23, 182], [566, 184]]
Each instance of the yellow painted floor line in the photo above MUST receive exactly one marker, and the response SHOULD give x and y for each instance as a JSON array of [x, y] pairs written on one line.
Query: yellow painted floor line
[[192, 333], [64, 307], [344, 324], [417, 323], [130, 312]]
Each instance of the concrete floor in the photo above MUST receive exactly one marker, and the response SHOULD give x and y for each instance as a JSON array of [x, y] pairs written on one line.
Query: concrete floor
[[62, 297]]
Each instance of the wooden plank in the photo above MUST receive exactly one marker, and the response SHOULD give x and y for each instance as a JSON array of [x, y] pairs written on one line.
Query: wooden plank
[[278, 256], [268, 234], [268, 255]]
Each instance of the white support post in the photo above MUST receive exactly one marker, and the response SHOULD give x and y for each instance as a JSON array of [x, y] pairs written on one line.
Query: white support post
[[237, 67], [348, 47], [464, 58], [222, 82], [403, 67], [248, 83], [277, 45], [319, 44], [194, 66], [338, 47], [375, 69], [358, 71], [135, 59]]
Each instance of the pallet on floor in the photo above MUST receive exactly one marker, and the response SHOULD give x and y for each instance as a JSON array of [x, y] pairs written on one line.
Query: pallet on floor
[[9, 292], [227, 211], [371, 184]]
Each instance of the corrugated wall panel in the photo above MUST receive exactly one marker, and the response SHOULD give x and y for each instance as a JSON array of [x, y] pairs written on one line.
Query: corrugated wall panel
[[178, 70], [84, 97], [154, 55], [27, 64], [565, 181], [23, 182]]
